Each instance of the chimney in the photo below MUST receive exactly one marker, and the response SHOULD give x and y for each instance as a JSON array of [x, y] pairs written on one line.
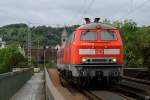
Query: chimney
[[87, 20], [96, 20]]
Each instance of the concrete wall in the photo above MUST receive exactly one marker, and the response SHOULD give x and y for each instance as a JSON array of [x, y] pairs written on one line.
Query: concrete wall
[[51, 92], [11, 82]]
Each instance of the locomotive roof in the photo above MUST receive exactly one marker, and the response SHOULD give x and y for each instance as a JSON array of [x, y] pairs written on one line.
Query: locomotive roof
[[95, 25]]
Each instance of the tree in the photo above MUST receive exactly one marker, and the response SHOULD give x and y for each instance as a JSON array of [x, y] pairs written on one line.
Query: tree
[[136, 43], [10, 57]]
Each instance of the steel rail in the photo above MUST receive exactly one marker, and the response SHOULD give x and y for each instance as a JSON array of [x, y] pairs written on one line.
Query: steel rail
[[109, 95], [132, 93], [126, 97], [138, 88], [90, 95], [86, 93], [136, 80]]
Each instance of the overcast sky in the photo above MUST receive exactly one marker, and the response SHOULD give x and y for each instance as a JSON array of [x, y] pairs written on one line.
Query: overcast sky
[[69, 12]]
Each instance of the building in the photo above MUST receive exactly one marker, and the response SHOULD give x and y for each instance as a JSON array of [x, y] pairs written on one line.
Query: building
[[2, 44], [64, 36], [21, 50], [41, 55], [57, 47]]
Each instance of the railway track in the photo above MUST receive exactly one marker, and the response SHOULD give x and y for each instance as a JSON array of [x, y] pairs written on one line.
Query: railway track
[[95, 94], [90, 95], [136, 80], [137, 88], [140, 73], [104, 95], [128, 89]]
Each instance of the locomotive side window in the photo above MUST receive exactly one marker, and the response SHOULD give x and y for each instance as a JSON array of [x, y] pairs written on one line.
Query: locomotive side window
[[108, 35], [71, 37], [89, 36]]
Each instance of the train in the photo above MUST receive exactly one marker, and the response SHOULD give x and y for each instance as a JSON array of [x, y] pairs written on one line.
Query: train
[[92, 53]]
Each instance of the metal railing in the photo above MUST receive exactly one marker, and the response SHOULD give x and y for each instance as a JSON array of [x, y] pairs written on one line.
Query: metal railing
[[13, 81]]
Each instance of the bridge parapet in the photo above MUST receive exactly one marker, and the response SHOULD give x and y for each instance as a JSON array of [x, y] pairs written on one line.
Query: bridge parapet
[[51, 92], [13, 81]]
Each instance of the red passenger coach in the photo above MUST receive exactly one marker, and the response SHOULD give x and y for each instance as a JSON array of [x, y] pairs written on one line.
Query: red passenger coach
[[94, 51]]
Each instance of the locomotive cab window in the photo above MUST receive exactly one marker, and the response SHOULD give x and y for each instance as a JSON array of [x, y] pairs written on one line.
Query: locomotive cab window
[[89, 36], [108, 35]]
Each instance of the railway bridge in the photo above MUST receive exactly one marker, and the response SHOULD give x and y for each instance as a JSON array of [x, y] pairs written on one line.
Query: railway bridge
[[44, 84]]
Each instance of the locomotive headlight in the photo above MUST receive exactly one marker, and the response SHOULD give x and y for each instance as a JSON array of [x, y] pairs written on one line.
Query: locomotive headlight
[[112, 51], [114, 60], [83, 59], [86, 51]]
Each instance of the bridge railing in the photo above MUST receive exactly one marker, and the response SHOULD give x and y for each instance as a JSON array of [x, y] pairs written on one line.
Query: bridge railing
[[13, 81], [51, 92]]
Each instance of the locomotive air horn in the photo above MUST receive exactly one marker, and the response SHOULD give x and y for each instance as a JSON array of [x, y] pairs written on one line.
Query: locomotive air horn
[[87, 20], [96, 20]]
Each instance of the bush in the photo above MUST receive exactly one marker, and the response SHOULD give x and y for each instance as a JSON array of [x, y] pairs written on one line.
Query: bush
[[51, 64], [10, 57], [136, 44]]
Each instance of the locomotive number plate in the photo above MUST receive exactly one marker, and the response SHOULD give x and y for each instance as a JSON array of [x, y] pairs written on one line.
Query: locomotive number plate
[[99, 51]]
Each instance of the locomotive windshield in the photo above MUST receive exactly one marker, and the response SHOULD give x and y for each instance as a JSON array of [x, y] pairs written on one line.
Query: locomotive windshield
[[89, 36], [108, 35]]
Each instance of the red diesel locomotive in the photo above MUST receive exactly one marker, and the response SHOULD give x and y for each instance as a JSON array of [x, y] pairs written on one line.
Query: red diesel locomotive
[[94, 51]]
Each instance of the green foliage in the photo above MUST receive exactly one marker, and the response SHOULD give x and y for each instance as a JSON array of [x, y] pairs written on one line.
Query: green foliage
[[33, 61], [44, 35], [51, 64], [10, 57], [15, 33], [136, 44]]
